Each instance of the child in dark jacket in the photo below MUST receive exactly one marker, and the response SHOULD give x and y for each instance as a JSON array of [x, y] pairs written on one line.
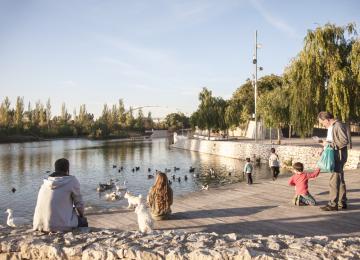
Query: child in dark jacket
[[300, 181]]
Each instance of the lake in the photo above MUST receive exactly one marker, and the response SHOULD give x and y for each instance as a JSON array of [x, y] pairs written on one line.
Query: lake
[[24, 165]]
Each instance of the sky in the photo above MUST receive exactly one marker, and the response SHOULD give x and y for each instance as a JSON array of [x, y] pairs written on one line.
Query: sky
[[152, 54]]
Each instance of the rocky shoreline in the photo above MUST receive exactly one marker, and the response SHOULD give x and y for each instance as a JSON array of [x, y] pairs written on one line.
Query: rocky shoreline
[[90, 243]]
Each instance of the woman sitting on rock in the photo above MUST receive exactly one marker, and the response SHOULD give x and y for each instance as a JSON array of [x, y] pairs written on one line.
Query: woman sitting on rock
[[160, 198]]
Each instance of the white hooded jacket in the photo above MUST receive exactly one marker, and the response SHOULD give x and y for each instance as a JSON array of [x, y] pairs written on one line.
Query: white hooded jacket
[[54, 209]]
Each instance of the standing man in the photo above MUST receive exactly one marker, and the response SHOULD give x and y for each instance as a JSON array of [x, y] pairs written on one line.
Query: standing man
[[338, 138]]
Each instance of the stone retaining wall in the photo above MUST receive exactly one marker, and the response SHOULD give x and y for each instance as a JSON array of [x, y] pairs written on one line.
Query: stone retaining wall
[[22, 243], [306, 154]]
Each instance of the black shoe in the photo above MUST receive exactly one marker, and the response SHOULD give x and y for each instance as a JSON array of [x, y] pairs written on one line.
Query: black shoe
[[343, 207], [329, 208]]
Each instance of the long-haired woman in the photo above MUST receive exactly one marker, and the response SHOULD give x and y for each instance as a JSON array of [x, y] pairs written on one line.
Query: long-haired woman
[[160, 197]]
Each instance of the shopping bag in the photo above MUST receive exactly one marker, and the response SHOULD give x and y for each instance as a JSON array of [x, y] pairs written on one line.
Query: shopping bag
[[327, 161]]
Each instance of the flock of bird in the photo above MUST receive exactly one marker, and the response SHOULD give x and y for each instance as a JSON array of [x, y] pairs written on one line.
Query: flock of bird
[[120, 188]]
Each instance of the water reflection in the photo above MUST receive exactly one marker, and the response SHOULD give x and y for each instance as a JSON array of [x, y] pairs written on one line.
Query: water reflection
[[24, 166]]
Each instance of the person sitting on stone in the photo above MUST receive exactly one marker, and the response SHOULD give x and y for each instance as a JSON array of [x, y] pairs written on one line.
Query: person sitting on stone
[[300, 181], [59, 205], [160, 197]]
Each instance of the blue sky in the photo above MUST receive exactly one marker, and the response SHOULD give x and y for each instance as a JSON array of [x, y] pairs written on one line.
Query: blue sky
[[150, 53]]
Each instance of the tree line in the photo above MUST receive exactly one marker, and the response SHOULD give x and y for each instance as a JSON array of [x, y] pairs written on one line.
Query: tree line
[[325, 75], [114, 121]]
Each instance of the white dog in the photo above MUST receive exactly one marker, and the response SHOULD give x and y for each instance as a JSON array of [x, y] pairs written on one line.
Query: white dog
[[132, 200], [144, 219]]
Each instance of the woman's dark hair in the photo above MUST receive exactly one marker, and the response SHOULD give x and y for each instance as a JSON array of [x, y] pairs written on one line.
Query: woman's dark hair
[[248, 159], [273, 150], [325, 115], [298, 166], [62, 165]]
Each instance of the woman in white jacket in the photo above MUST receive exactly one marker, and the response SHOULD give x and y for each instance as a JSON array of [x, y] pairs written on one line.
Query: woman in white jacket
[[59, 204]]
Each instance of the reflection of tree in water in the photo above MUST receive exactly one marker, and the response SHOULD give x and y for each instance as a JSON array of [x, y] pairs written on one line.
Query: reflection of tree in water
[[6, 165], [21, 161]]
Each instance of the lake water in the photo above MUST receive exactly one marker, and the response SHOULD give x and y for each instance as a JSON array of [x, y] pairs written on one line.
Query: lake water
[[24, 165]]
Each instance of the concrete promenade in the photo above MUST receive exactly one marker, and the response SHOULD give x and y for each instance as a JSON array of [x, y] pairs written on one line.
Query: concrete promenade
[[262, 208]]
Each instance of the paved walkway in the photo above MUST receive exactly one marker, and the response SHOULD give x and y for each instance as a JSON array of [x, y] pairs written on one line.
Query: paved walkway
[[263, 208]]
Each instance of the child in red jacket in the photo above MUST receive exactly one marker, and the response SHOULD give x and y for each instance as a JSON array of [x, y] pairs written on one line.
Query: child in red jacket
[[300, 181]]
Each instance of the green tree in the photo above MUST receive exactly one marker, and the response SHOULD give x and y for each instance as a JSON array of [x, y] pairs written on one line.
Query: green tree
[[121, 113], [206, 111], [321, 77], [5, 114], [175, 121], [19, 113], [148, 121], [139, 120], [241, 106], [65, 116], [273, 108], [130, 118], [48, 113], [220, 106]]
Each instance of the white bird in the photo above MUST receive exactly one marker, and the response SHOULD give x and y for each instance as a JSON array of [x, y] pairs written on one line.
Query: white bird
[[206, 187], [120, 187], [112, 196], [15, 221]]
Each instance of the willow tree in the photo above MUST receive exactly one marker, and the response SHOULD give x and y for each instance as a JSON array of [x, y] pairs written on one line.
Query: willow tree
[[355, 69], [321, 78], [205, 113]]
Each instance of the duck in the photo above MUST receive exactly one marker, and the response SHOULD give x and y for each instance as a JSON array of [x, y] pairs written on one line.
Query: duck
[[133, 169], [13, 190], [112, 196], [176, 168], [185, 177], [170, 182], [205, 187], [167, 170], [15, 221], [149, 170], [121, 168], [137, 168], [110, 183], [114, 166], [104, 186], [179, 179], [173, 177], [150, 176], [191, 169]]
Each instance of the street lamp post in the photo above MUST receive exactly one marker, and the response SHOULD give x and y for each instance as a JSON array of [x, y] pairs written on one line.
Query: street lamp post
[[255, 79]]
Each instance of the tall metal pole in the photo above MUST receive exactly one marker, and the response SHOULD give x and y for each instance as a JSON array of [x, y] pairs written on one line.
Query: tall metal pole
[[256, 69]]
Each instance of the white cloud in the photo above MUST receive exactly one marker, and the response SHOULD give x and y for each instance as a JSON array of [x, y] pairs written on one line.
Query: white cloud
[[275, 21]]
